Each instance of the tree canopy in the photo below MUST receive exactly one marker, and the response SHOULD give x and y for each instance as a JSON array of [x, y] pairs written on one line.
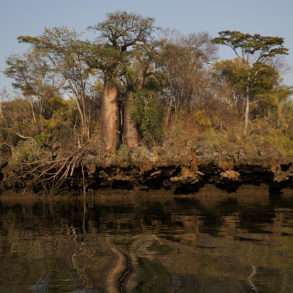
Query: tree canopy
[[127, 87], [245, 45]]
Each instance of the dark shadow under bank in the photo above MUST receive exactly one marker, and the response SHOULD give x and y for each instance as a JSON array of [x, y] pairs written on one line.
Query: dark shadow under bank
[[175, 179]]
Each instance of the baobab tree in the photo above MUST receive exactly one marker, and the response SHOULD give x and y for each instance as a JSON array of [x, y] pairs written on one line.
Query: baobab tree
[[120, 36]]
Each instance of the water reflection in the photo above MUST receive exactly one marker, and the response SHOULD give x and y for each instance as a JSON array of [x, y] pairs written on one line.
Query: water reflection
[[147, 245]]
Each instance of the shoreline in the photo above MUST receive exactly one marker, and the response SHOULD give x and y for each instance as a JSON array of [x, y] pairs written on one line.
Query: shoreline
[[175, 179]]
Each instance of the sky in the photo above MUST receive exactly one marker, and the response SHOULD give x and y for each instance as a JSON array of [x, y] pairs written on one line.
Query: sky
[[29, 17]]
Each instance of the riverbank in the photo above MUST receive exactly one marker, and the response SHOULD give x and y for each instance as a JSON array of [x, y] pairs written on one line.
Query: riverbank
[[174, 178]]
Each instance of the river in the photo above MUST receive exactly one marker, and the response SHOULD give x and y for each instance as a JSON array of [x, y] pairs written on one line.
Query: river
[[148, 242]]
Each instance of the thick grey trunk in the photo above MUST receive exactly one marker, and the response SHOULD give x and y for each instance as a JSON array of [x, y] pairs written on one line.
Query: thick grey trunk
[[131, 133], [110, 117]]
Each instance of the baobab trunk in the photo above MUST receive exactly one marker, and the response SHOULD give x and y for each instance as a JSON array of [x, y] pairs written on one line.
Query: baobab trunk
[[131, 133], [110, 117]]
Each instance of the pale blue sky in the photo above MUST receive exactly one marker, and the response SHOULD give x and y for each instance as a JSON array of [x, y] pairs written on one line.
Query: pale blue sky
[[269, 17]]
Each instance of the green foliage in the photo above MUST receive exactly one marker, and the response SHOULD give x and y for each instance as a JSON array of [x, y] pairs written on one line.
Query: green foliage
[[178, 102], [246, 45], [259, 78], [119, 158], [59, 128], [25, 151], [282, 143], [53, 105], [202, 119], [147, 113], [264, 144], [123, 29], [41, 138], [256, 77], [260, 81], [235, 72]]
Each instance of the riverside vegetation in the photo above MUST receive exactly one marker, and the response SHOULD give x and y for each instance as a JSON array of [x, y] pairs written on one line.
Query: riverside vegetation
[[130, 105]]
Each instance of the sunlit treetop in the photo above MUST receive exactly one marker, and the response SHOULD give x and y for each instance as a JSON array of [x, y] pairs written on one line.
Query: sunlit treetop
[[123, 30], [246, 46]]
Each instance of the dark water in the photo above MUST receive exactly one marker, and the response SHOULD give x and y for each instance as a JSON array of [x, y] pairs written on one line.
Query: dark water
[[148, 244]]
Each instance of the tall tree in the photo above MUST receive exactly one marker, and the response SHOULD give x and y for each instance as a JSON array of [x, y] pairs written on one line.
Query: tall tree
[[144, 83], [64, 54], [32, 75], [120, 36], [255, 51], [184, 63]]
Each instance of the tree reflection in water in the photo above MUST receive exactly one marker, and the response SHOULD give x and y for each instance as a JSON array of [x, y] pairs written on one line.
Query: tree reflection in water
[[155, 244]]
